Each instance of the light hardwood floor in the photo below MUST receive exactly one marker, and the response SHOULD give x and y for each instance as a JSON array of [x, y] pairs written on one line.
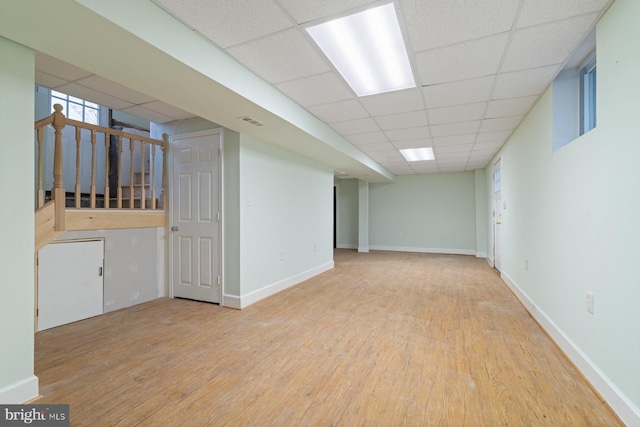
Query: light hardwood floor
[[384, 339]]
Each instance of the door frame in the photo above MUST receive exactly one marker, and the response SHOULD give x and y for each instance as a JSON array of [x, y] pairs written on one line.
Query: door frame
[[171, 198]]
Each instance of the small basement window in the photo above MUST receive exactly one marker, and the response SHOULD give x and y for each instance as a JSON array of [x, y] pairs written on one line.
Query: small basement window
[[588, 95], [76, 108], [574, 95]]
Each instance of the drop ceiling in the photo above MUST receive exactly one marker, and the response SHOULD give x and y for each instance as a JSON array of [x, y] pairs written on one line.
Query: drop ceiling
[[480, 66]]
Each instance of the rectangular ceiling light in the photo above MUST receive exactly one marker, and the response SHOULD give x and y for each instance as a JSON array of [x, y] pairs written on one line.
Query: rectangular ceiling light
[[418, 154], [367, 49]]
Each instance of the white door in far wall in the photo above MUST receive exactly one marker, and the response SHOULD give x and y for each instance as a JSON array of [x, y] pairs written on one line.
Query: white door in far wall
[[195, 216], [497, 216], [70, 282]]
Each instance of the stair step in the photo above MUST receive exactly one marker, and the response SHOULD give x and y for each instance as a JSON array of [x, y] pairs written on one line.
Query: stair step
[[137, 178], [113, 203], [137, 191]]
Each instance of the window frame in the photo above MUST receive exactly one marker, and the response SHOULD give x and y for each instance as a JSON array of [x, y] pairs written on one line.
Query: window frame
[[588, 93]]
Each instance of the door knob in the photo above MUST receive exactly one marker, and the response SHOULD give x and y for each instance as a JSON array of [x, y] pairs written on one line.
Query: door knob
[[175, 228]]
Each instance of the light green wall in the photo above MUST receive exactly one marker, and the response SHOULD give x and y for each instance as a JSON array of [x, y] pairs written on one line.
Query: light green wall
[[424, 212], [573, 213], [231, 211], [481, 212], [16, 213], [347, 215], [286, 206]]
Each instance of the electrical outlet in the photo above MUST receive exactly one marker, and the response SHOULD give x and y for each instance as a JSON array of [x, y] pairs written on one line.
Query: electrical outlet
[[526, 264], [315, 247], [590, 302], [281, 254]]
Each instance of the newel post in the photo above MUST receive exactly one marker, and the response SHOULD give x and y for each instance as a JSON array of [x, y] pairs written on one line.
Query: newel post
[[59, 193]]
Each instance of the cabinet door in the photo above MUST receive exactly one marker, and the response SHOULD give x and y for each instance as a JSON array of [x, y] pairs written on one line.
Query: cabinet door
[[70, 282]]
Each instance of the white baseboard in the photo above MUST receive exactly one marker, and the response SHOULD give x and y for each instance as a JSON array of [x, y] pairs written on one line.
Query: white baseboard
[[363, 250], [481, 254], [20, 392], [619, 402], [274, 288], [346, 246], [490, 261], [231, 301], [424, 250]]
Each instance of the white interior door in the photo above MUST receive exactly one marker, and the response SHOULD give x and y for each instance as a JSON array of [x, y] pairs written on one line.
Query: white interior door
[[497, 216], [195, 216], [70, 282]]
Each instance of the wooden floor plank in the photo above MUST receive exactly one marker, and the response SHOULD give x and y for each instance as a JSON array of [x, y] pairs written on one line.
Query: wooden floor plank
[[383, 339]]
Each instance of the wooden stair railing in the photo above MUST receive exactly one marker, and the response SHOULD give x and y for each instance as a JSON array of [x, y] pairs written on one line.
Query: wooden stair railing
[[141, 194]]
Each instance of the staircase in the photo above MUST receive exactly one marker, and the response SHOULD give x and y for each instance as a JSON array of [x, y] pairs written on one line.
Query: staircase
[[139, 204], [141, 188]]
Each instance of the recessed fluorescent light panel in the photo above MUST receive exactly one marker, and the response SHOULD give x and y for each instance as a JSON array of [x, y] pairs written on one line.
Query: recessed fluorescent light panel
[[367, 49], [418, 154]]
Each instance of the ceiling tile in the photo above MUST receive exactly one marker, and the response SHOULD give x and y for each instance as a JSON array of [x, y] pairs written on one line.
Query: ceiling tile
[[500, 136], [454, 140], [167, 110], [367, 138], [508, 107], [455, 128], [423, 164], [457, 93], [458, 113], [355, 126], [408, 133], [105, 86], [283, 56], [468, 60], [227, 22], [500, 123], [402, 120], [94, 96], [58, 68], [152, 116], [453, 148], [47, 80], [539, 11], [400, 101], [413, 143], [546, 44], [316, 90], [305, 11], [434, 23], [524, 83], [453, 155], [488, 145], [378, 146], [339, 111]]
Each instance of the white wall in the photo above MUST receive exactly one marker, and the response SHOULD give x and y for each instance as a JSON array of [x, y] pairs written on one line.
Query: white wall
[[286, 204], [573, 214], [424, 213], [17, 381]]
